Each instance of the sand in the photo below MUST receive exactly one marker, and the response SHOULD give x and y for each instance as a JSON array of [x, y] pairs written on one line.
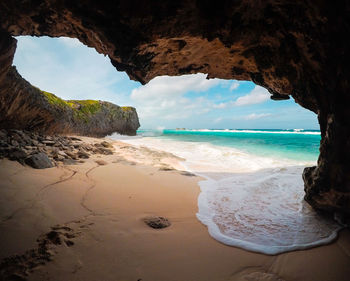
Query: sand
[[98, 209]]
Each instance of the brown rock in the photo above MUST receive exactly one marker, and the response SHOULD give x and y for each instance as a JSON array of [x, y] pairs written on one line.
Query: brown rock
[[106, 144], [106, 151], [71, 154], [58, 157], [18, 154], [83, 155], [101, 162], [63, 154], [74, 139], [48, 142], [14, 143], [39, 161], [3, 134], [157, 222]]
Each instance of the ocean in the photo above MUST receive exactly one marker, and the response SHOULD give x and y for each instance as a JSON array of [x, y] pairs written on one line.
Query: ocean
[[252, 195]]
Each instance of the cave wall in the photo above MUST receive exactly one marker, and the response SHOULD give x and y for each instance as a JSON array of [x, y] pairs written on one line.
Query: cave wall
[[296, 48]]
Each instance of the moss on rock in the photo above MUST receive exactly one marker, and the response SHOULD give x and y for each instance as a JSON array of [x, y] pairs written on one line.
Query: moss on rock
[[54, 100], [127, 108], [82, 109], [87, 111]]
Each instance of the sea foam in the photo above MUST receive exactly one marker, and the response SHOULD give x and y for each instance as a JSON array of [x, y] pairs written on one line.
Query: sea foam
[[263, 212], [294, 131], [252, 202]]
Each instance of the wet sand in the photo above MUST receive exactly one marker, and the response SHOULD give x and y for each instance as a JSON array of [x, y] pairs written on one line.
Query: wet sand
[[85, 222]]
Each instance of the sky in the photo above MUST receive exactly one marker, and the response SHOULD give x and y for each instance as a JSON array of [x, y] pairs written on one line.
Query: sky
[[70, 70]]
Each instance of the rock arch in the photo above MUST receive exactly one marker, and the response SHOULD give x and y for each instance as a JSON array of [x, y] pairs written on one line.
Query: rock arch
[[296, 48]]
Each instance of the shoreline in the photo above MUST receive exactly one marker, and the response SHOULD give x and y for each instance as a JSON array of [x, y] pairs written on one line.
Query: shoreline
[[278, 211], [99, 209]]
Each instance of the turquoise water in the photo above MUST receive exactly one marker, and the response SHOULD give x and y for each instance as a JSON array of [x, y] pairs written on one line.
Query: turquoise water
[[252, 193], [301, 145]]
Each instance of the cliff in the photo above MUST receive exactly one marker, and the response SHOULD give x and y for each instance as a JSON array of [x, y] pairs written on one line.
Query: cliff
[[296, 48], [24, 106]]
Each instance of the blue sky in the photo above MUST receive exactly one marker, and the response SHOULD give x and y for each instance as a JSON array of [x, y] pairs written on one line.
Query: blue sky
[[71, 70]]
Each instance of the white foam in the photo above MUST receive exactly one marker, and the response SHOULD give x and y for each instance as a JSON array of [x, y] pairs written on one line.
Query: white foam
[[295, 131], [208, 158], [263, 212], [255, 203], [116, 136]]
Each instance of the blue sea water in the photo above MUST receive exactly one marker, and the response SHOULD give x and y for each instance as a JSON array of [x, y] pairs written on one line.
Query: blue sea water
[[295, 144], [252, 193]]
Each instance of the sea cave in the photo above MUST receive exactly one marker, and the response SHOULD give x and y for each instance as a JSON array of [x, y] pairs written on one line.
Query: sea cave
[[293, 49]]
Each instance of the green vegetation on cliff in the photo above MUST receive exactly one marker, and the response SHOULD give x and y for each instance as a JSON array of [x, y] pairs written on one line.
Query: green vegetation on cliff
[[127, 108], [84, 109], [54, 100], [86, 106]]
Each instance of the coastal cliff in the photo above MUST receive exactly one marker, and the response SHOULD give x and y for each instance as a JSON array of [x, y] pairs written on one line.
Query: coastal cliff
[[26, 107], [292, 48]]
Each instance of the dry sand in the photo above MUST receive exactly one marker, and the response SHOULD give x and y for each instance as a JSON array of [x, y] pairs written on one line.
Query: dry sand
[[99, 209]]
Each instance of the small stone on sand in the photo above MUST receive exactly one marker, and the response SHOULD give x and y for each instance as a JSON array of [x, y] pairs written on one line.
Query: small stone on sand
[[101, 162], [157, 222]]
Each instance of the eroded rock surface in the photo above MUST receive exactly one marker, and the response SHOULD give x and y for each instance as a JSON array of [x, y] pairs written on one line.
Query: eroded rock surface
[[24, 106], [296, 48]]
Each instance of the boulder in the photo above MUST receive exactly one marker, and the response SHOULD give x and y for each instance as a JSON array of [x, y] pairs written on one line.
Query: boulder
[[106, 144], [39, 161], [72, 154], [83, 154], [105, 151], [18, 154], [48, 142]]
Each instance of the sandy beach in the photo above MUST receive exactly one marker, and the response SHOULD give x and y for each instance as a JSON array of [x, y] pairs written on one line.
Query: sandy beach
[[85, 222]]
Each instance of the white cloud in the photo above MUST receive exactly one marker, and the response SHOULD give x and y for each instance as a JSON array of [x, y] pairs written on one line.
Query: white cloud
[[220, 105], [164, 97], [168, 86], [223, 105], [234, 86], [255, 116], [257, 95]]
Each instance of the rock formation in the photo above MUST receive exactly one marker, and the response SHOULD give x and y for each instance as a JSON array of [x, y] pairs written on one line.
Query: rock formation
[[26, 107], [296, 48], [43, 151]]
